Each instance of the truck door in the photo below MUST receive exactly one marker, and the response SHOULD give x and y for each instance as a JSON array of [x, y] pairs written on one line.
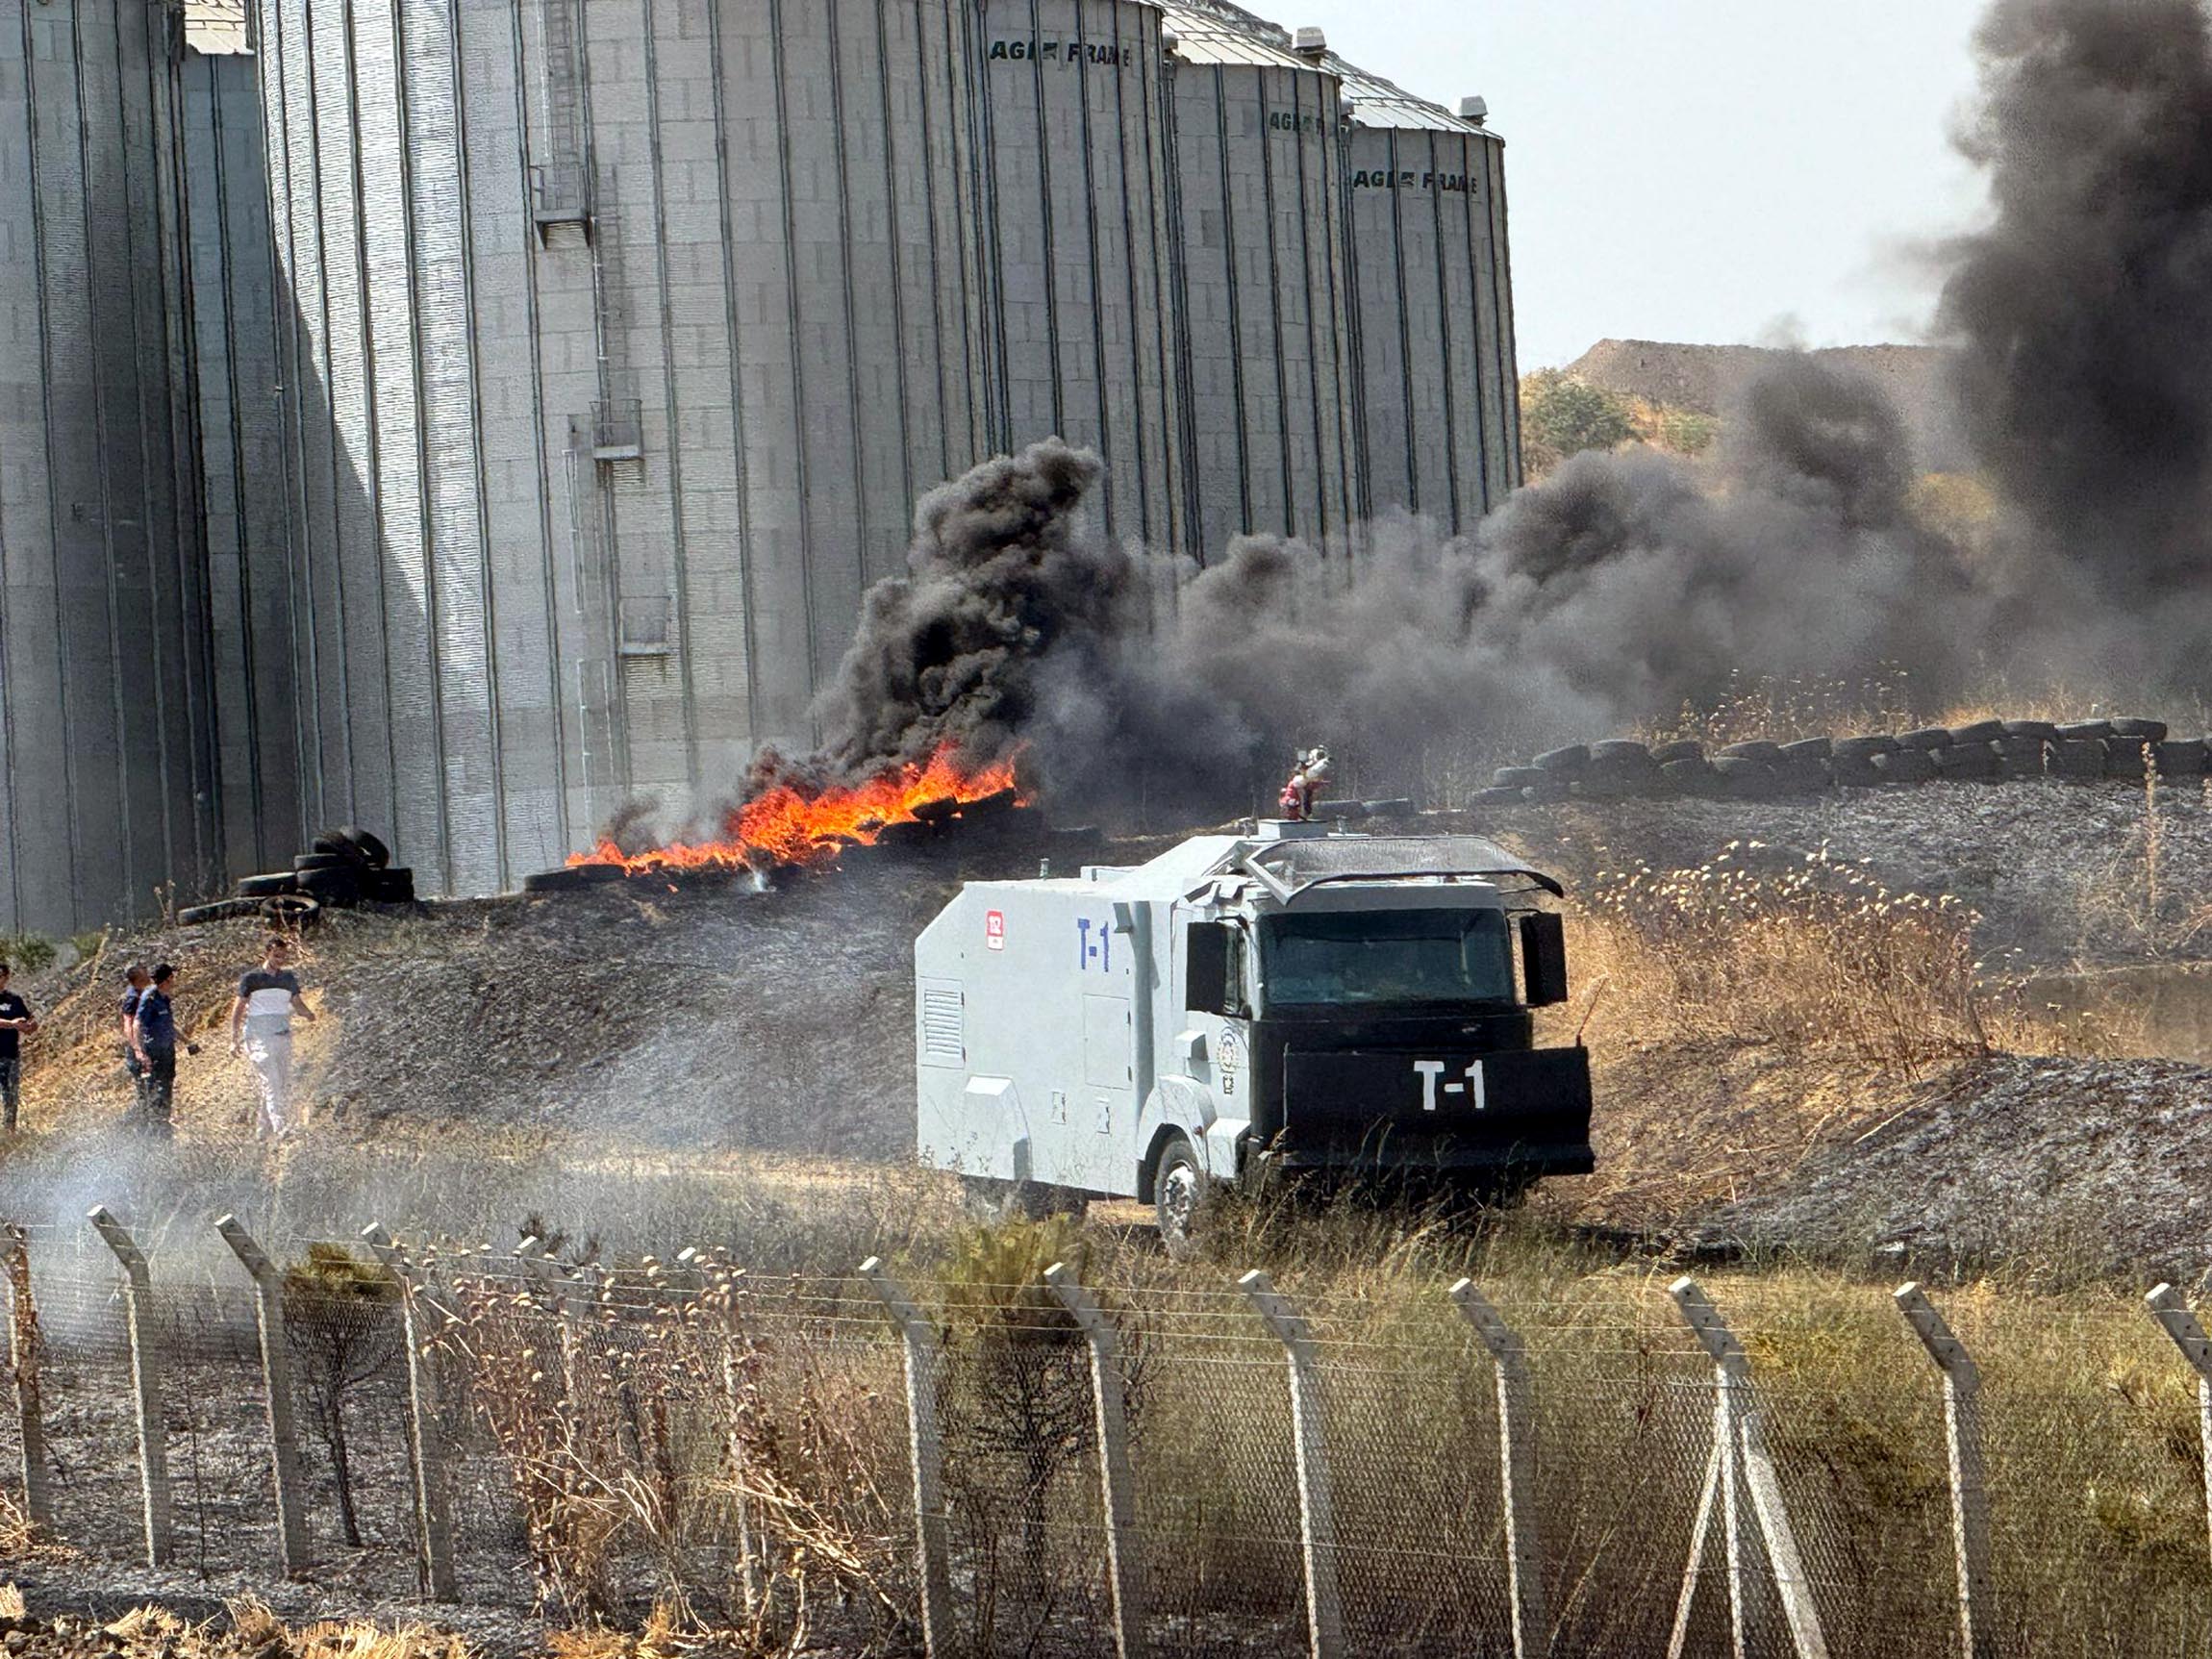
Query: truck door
[[1214, 1046]]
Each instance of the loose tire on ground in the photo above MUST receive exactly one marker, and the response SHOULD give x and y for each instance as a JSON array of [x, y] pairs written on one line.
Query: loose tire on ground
[[1976, 732], [1809, 749], [1569, 760], [291, 910], [1863, 748], [373, 852], [1619, 749], [2139, 730], [1681, 750], [2043, 731], [314, 861], [1905, 766], [340, 889], [1757, 749], [334, 844], [1496, 796], [1178, 1189], [2182, 757], [390, 886], [221, 910], [1518, 777], [269, 885], [2076, 758]]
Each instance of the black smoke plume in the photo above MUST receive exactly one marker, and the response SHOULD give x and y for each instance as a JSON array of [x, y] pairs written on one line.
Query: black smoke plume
[[2084, 311], [1621, 589], [1628, 585]]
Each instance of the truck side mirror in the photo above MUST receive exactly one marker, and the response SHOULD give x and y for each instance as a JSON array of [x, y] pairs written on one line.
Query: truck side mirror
[[1544, 958], [1211, 974]]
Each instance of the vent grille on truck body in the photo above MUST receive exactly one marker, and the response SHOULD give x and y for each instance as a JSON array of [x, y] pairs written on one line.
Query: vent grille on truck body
[[943, 1024]]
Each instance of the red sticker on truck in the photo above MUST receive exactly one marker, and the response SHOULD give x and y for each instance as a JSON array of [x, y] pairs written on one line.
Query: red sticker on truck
[[994, 929]]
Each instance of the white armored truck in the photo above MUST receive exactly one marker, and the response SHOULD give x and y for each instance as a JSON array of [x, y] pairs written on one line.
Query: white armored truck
[[1325, 1005]]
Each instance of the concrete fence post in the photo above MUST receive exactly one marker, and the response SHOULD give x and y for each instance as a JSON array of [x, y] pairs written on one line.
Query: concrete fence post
[[425, 1420], [2170, 1310], [1968, 1478], [23, 1355], [276, 1380], [933, 1539], [1740, 1467], [1517, 1460], [1124, 1570], [147, 1391], [1316, 1510]]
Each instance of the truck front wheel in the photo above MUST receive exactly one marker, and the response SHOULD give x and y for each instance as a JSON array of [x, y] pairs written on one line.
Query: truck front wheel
[[1177, 1185]]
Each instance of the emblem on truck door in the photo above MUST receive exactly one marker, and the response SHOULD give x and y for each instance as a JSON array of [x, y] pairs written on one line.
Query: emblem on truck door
[[1469, 1082], [994, 929]]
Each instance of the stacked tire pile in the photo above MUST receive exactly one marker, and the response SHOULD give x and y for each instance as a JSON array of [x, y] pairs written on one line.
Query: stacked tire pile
[[1986, 751], [343, 868]]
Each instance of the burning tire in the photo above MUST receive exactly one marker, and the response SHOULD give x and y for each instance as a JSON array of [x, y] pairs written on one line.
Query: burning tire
[[572, 878]]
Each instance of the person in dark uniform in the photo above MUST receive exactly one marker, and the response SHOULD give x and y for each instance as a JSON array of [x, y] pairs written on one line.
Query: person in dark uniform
[[14, 1022], [155, 1046], [136, 979]]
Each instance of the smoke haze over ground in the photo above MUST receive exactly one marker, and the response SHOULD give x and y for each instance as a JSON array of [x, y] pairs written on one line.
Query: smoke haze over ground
[[1627, 585]]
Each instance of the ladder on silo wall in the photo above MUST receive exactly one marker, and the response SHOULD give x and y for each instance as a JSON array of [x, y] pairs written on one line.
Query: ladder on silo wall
[[561, 181]]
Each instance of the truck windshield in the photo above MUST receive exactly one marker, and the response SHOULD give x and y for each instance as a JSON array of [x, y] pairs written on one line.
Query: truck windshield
[[1386, 956]]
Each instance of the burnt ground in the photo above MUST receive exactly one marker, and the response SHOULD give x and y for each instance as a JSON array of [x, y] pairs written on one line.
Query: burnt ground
[[698, 1015]]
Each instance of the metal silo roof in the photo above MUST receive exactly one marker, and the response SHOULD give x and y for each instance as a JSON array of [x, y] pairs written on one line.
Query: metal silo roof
[[1216, 32], [1219, 34]]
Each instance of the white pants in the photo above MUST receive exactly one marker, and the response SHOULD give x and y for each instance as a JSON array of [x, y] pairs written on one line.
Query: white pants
[[270, 1054]]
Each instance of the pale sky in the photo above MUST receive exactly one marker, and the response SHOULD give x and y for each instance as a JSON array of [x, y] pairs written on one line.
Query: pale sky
[[1705, 170]]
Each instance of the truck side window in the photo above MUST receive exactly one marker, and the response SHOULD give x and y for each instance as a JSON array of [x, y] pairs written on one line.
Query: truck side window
[[1213, 968]]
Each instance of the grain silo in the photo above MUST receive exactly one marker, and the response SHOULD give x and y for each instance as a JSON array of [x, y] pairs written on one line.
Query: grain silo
[[230, 280], [108, 786], [1265, 259], [1071, 125], [1433, 303], [622, 336]]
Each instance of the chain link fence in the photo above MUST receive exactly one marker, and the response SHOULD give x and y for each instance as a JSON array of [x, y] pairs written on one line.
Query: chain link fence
[[1331, 1472]]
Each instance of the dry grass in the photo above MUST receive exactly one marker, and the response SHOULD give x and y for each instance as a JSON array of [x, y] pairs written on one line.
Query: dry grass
[[1823, 960]]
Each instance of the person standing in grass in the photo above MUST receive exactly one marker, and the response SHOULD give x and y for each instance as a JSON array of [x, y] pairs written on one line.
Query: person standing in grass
[[260, 1029], [154, 1042], [136, 979], [15, 1022]]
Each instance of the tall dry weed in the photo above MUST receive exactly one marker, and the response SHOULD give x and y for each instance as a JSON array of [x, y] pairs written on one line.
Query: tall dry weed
[[1823, 958]]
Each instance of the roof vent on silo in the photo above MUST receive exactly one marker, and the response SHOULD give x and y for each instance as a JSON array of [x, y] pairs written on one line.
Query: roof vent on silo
[[1310, 43], [1170, 42], [1474, 111]]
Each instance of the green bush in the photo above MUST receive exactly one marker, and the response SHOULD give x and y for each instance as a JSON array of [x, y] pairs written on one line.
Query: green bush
[[27, 952], [1560, 416]]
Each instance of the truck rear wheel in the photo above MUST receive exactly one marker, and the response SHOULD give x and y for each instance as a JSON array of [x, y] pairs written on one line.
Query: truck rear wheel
[[1177, 1186]]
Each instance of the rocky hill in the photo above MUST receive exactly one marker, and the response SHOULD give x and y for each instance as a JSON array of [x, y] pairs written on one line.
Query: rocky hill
[[1710, 378]]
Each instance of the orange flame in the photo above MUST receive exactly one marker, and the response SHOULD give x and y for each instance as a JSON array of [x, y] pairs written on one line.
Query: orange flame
[[788, 825]]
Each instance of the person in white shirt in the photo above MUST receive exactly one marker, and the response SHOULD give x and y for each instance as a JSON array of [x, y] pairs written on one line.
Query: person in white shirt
[[260, 1029]]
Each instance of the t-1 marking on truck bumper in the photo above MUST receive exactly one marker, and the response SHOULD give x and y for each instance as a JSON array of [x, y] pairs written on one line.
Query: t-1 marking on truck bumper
[[1468, 1083]]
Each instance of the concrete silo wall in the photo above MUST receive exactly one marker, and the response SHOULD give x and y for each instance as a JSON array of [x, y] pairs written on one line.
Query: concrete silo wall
[[1072, 125], [1263, 247], [237, 382], [107, 783], [1434, 317]]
